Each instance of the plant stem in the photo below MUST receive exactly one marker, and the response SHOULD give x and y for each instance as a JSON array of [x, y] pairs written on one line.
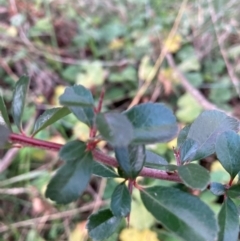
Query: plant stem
[[99, 156]]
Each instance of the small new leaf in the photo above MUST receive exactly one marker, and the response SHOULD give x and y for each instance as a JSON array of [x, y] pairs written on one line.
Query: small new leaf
[[102, 225], [228, 152], [19, 98], [152, 122], [217, 189], [115, 128], [181, 213], [228, 221], [194, 176], [131, 159], [121, 201], [49, 117]]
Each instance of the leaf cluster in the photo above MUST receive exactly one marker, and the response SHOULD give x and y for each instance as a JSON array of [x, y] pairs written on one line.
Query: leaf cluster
[[129, 133]]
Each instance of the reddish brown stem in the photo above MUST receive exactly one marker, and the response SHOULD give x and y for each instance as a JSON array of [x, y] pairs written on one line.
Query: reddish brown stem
[[99, 156], [100, 101], [230, 182]]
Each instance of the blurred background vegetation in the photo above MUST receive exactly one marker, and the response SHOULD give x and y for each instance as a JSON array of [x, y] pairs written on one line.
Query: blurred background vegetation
[[185, 54]]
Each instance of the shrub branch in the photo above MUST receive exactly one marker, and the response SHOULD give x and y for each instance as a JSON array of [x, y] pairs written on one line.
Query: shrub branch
[[99, 156]]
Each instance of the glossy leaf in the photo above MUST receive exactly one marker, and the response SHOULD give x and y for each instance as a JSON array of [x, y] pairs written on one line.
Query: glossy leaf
[[19, 98], [194, 176], [234, 191], [183, 135], [152, 122], [188, 150], [4, 134], [154, 160], [205, 130], [4, 112], [131, 159], [102, 224], [217, 188], [84, 114], [181, 213], [121, 201], [72, 150], [70, 180], [102, 170], [76, 95], [228, 152], [115, 128], [49, 117], [228, 221]]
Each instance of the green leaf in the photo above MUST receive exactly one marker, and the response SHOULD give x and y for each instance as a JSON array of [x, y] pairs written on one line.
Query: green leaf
[[77, 95], [153, 160], [4, 134], [181, 213], [72, 150], [217, 188], [49, 117], [84, 114], [205, 130], [115, 128], [131, 159], [102, 224], [194, 176], [234, 191], [183, 135], [102, 170], [4, 112], [228, 221], [19, 98], [121, 201], [188, 150], [70, 180], [152, 122], [228, 152]]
